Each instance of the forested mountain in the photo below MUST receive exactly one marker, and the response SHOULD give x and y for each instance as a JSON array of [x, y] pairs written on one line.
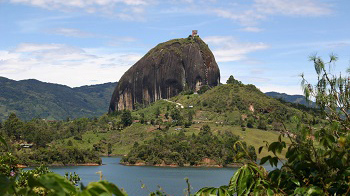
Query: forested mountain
[[297, 99], [35, 99]]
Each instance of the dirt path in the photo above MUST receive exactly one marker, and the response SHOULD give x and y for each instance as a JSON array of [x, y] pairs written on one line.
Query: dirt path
[[178, 104]]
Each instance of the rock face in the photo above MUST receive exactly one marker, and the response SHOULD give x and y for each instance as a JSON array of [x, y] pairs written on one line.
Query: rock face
[[165, 71]]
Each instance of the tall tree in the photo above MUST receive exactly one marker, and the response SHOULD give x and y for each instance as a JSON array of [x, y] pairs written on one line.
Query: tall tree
[[232, 80], [126, 118], [109, 149], [13, 126]]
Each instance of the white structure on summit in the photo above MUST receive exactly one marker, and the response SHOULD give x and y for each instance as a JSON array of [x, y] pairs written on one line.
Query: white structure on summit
[[194, 33]]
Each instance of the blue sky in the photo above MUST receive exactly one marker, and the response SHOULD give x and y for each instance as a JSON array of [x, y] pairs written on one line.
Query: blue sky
[[83, 42]]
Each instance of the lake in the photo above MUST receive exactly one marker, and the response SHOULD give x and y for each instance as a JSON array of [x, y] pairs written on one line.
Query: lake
[[170, 179]]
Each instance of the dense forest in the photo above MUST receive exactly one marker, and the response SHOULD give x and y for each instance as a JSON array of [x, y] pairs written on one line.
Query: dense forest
[[200, 149], [33, 142]]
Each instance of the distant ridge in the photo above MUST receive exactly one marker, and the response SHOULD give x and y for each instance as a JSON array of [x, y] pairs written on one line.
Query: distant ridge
[[35, 99], [298, 99]]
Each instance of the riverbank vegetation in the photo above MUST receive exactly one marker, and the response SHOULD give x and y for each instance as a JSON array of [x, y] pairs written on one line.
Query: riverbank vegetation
[[58, 156], [41, 181]]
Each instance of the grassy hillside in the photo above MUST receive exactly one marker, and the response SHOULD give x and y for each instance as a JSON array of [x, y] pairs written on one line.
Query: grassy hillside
[[236, 108], [35, 99], [123, 140], [223, 108], [232, 103]]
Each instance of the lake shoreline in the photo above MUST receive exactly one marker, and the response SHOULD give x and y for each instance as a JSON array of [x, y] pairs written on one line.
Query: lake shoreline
[[234, 165], [59, 165]]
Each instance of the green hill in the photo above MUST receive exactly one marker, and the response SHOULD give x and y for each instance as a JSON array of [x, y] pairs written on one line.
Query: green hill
[[238, 109], [232, 103], [35, 99]]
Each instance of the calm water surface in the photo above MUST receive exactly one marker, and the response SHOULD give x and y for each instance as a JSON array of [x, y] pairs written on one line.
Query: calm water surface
[[170, 179]]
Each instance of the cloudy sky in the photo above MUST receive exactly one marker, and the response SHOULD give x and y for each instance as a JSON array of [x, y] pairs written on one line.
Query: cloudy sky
[[83, 42]]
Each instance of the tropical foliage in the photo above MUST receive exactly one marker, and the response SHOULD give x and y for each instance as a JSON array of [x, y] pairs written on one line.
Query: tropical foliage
[[58, 156], [31, 141], [41, 181], [54, 184], [318, 161]]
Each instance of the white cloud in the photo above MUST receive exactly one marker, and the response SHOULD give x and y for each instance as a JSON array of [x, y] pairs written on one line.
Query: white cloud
[[64, 64], [79, 3], [247, 18], [247, 13], [123, 9], [29, 47], [226, 48], [295, 7], [70, 32], [252, 29], [262, 9]]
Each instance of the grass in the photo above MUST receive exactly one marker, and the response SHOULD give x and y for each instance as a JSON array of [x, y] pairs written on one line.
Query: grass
[[149, 111], [257, 138], [121, 140]]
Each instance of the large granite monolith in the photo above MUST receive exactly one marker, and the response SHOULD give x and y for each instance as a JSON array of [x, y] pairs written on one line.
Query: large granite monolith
[[165, 71]]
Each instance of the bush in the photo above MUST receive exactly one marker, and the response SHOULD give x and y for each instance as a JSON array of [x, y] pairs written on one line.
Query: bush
[[126, 118], [77, 137], [262, 125], [250, 122], [203, 89], [69, 143]]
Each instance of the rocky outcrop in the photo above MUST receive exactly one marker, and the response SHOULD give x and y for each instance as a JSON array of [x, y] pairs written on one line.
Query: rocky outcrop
[[165, 71]]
